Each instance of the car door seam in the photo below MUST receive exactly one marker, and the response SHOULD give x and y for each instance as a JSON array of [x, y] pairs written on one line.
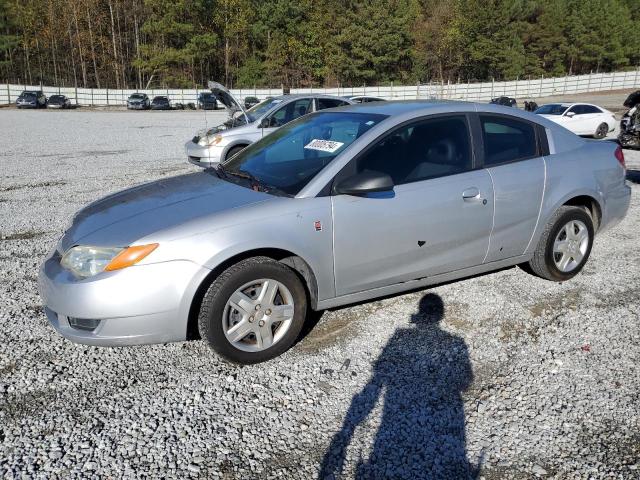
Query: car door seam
[[544, 190], [493, 215]]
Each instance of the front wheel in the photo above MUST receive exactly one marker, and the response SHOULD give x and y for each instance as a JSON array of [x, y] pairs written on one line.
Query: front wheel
[[254, 311], [234, 150], [564, 246]]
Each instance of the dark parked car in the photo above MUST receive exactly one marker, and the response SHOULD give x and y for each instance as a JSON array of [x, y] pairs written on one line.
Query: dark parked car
[[207, 101], [250, 102], [161, 102], [59, 101], [138, 101], [504, 101], [31, 99]]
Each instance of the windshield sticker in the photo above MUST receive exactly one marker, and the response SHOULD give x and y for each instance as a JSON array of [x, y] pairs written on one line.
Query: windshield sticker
[[276, 101], [323, 145], [369, 123]]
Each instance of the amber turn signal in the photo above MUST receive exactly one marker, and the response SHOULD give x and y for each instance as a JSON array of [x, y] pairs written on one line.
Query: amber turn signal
[[130, 256]]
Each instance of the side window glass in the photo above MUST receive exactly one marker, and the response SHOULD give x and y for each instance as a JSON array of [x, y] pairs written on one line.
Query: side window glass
[[279, 117], [299, 108], [591, 109], [507, 139], [422, 150], [329, 103]]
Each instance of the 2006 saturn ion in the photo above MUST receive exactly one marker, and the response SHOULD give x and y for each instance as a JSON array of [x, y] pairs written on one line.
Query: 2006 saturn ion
[[337, 207]]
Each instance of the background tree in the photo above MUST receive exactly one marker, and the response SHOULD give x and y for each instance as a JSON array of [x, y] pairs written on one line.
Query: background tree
[[298, 43]]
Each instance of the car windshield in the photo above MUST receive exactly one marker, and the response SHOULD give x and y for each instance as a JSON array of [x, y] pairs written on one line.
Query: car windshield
[[28, 95], [207, 96], [286, 160], [552, 109], [137, 96], [56, 97], [260, 109]]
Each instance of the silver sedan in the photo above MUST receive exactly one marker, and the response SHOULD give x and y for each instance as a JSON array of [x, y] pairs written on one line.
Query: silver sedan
[[340, 206], [211, 146]]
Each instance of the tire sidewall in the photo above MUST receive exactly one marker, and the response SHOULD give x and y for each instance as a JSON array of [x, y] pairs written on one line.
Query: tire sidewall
[[215, 333], [574, 214]]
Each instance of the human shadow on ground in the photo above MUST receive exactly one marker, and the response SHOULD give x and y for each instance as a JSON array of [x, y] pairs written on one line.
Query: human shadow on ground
[[420, 377]]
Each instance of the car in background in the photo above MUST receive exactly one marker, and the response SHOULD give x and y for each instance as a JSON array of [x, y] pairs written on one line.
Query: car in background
[[161, 102], [250, 102], [580, 118], [31, 99], [138, 101], [364, 99], [337, 207], [214, 145], [207, 101], [504, 101], [59, 101]]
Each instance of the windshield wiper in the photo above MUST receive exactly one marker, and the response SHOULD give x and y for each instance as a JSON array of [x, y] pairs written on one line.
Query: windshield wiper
[[254, 182]]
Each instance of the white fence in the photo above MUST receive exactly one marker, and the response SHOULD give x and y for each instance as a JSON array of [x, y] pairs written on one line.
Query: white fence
[[519, 89]]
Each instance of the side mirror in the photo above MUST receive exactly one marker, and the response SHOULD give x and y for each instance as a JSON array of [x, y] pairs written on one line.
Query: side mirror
[[365, 182], [265, 123], [570, 114]]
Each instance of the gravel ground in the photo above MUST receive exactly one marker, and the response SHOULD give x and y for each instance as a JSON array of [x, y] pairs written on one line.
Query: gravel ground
[[504, 374]]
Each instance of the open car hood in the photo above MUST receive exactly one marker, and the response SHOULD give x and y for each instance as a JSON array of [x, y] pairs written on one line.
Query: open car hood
[[225, 97]]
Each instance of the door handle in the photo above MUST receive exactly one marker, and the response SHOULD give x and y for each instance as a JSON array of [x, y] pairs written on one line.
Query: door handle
[[471, 193]]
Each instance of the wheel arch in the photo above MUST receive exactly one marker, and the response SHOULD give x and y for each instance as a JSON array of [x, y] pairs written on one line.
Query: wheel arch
[[590, 204], [293, 261], [232, 145]]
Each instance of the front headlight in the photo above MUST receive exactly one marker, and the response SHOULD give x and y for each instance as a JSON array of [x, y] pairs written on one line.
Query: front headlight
[[210, 140], [86, 261]]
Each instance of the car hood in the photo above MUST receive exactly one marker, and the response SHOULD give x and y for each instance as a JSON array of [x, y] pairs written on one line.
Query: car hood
[[124, 217]]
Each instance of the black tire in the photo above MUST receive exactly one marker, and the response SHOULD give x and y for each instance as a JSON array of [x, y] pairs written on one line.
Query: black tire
[[234, 150], [542, 263], [601, 131], [210, 318]]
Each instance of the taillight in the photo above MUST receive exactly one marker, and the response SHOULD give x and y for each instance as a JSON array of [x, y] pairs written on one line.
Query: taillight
[[619, 154]]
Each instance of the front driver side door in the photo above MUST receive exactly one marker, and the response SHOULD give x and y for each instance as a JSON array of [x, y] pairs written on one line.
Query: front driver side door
[[437, 219], [287, 113]]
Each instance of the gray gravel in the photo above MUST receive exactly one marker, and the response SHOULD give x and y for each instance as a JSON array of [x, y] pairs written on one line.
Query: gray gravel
[[502, 374]]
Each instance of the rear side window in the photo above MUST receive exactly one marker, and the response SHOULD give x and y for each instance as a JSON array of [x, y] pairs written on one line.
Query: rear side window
[[330, 103], [507, 139], [590, 109]]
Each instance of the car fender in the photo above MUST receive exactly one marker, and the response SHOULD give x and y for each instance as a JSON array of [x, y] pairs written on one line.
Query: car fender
[[551, 206]]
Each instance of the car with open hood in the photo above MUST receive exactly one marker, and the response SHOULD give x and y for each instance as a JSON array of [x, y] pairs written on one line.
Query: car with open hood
[[337, 207], [243, 127]]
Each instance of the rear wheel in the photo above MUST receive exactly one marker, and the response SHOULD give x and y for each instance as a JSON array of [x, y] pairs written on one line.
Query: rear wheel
[[564, 246], [254, 311], [601, 131]]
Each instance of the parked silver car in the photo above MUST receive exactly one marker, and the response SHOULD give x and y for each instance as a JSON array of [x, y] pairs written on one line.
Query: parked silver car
[[244, 127], [337, 207]]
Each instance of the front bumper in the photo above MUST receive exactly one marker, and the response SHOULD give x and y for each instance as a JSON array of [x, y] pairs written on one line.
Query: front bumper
[[142, 304], [207, 156], [136, 106]]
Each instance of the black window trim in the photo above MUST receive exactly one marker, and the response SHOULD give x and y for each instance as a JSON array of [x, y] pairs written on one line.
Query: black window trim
[[349, 169], [536, 128]]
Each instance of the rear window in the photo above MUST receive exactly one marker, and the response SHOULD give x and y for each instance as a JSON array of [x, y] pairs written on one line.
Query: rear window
[[507, 139]]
